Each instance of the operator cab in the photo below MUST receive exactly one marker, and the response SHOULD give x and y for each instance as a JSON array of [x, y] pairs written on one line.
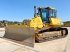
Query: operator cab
[[46, 13]]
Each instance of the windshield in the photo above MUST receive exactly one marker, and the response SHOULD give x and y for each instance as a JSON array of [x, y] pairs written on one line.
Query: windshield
[[45, 14]]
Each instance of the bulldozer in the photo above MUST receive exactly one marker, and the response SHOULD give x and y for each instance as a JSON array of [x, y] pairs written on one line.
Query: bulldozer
[[44, 26], [48, 26]]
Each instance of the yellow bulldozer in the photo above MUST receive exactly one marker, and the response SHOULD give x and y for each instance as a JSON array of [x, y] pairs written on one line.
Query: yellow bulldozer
[[44, 26]]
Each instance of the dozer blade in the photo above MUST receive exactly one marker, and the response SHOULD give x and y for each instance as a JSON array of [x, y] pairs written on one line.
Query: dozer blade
[[20, 34], [51, 34]]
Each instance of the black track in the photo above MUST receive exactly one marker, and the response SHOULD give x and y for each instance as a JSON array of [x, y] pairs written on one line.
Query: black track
[[54, 37]]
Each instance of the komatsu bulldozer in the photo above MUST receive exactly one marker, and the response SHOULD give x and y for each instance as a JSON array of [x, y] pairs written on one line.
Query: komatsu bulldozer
[[47, 24], [44, 26]]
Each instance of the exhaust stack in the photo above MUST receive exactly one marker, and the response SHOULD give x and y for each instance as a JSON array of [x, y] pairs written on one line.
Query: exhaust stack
[[34, 11]]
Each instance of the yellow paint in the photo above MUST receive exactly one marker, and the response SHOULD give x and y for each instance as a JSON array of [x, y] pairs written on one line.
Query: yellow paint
[[55, 21], [36, 22]]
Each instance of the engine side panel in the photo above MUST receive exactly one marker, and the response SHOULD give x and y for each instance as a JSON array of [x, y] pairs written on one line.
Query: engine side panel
[[55, 21], [36, 22]]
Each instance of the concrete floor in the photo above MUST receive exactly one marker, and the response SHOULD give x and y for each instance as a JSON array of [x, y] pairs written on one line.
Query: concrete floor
[[9, 46], [68, 42], [59, 45], [52, 46]]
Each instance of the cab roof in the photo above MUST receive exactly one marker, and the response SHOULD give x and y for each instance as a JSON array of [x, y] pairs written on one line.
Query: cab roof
[[49, 7]]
